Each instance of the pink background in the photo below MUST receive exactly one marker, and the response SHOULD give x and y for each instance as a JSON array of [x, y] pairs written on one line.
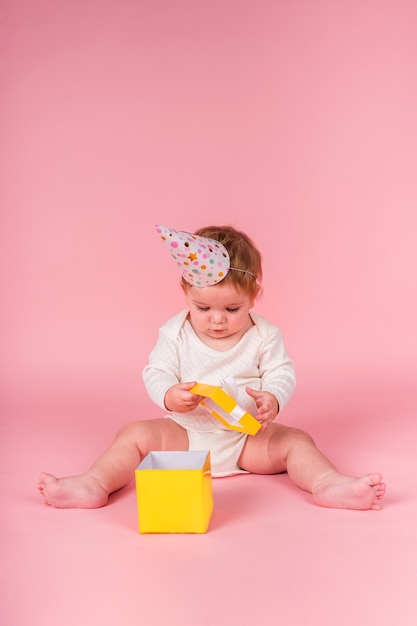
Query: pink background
[[294, 121]]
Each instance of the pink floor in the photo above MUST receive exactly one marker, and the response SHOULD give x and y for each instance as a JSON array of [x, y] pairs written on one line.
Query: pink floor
[[270, 556]]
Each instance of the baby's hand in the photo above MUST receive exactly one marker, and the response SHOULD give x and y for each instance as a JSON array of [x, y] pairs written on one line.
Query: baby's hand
[[178, 398], [267, 406]]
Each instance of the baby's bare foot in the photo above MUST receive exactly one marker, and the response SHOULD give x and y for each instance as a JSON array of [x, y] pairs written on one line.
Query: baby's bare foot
[[347, 492], [82, 492]]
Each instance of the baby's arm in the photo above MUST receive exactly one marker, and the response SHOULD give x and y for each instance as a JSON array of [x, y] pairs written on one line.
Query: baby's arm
[[276, 369], [179, 399], [162, 375], [267, 406]]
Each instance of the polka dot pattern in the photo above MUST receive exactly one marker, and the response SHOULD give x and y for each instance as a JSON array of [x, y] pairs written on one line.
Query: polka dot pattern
[[203, 262]]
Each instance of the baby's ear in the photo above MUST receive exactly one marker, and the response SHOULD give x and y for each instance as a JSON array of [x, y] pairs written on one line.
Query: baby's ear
[[258, 292]]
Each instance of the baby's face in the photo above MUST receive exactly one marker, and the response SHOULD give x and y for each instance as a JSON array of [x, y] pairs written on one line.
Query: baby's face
[[219, 312]]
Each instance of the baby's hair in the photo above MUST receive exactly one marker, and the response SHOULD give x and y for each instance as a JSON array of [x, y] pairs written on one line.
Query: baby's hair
[[245, 258]]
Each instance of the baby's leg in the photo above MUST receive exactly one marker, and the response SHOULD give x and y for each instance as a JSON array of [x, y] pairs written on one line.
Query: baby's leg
[[115, 467], [282, 449]]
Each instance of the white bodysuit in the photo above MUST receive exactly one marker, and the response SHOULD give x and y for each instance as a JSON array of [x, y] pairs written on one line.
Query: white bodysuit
[[259, 360]]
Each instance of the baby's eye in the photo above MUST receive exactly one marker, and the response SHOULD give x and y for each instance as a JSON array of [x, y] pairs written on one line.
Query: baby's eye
[[229, 310], [203, 309]]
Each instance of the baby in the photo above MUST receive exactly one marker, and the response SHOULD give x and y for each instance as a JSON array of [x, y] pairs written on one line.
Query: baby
[[217, 336]]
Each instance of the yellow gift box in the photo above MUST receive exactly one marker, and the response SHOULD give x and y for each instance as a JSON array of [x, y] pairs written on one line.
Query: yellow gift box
[[174, 492], [225, 408]]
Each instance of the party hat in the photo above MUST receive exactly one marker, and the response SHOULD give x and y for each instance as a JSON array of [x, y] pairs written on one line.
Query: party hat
[[203, 262]]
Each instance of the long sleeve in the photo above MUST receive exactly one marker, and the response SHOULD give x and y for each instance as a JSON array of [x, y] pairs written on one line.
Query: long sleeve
[[276, 368], [163, 369]]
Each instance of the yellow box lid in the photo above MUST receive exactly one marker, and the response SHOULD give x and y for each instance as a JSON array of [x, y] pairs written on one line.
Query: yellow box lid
[[225, 408]]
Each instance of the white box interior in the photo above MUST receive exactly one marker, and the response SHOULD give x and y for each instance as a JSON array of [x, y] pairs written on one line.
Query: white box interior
[[191, 459]]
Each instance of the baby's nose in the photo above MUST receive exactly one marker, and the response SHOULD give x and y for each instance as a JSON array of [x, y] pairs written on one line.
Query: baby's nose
[[218, 318]]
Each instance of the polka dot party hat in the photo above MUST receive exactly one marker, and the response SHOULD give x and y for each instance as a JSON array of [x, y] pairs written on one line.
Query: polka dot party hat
[[203, 262]]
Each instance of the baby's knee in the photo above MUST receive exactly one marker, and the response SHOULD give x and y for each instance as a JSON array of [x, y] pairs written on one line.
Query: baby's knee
[[131, 431], [147, 435], [301, 437]]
